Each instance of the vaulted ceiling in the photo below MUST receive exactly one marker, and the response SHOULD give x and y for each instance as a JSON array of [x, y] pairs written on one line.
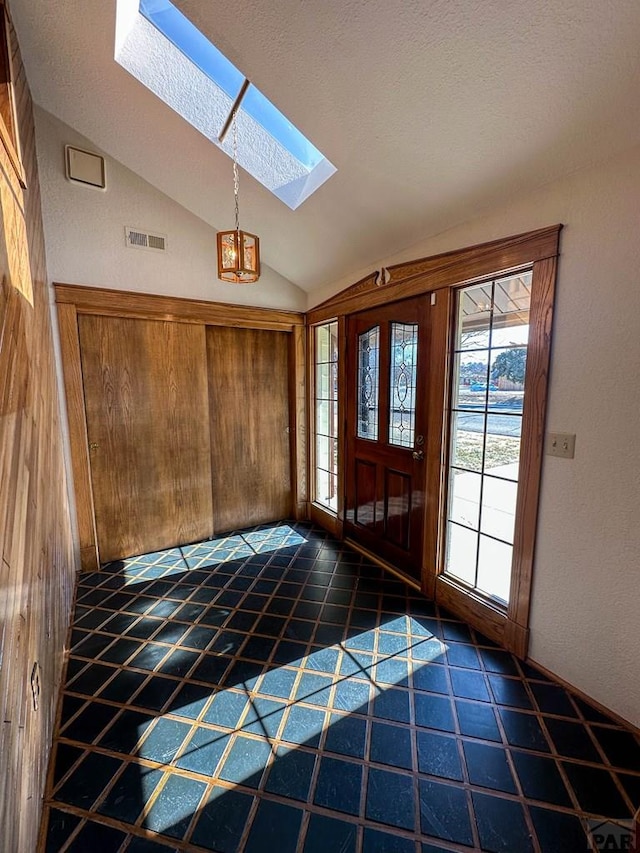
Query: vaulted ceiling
[[431, 111]]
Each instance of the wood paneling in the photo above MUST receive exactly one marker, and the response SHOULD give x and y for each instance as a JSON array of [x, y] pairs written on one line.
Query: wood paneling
[[250, 426], [398, 494], [37, 561], [145, 306], [365, 494], [145, 388], [446, 270]]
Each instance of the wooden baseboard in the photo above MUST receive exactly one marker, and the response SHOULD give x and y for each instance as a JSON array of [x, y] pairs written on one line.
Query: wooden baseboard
[[585, 697], [89, 559]]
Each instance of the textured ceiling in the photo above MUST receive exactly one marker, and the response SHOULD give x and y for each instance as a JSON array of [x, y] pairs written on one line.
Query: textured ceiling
[[431, 111]]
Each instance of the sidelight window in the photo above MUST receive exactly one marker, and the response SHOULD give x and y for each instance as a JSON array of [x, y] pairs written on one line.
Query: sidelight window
[[489, 361], [326, 415]]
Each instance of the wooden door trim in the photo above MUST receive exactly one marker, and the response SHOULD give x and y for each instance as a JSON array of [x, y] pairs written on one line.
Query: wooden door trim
[[436, 440], [331, 520], [298, 403], [510, 625], [78, 440], [413, 278], [532, 444], [75, 300], [146, 306], [536, 251]]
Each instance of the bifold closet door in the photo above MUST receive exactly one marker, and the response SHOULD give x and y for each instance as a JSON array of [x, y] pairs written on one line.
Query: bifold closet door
[[250, 435], [145, 388]]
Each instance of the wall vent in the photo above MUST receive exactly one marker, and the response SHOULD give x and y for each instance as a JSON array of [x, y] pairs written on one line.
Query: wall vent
[[138, 239]]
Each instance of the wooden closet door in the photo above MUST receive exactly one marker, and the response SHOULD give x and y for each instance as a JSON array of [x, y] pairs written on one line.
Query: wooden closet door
[[145, 388], [250, 440]]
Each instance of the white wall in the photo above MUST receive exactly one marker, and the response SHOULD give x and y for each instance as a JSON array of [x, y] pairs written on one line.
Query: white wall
[[585, 621], [586, 595], [84, 232]]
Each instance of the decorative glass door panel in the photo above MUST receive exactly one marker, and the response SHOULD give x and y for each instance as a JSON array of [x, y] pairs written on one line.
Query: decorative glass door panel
[[368, 379], [387, 387], [402, 412]]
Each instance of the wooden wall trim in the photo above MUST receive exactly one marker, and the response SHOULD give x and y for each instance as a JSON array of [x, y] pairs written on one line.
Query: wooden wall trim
[[483, 258], [342, 419], [310, 376], [532, 444], [436, 439], [413, 278], [552, 676], [362, 286], [146, 306], [79, 442], [299, 419]]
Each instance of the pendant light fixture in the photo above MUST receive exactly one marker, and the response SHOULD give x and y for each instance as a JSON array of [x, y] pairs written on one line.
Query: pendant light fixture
[[238, 251]]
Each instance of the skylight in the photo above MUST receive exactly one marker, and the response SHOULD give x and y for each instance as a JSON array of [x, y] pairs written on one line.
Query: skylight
[[171, 57]]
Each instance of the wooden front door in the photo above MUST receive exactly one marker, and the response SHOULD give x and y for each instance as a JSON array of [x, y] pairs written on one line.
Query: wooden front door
[[387, 397], [145, 389]]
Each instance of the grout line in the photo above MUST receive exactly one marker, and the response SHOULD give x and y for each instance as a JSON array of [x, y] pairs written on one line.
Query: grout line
[[348, 586]]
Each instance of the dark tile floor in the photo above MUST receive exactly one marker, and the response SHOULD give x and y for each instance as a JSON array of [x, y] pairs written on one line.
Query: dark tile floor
[[274, 692]]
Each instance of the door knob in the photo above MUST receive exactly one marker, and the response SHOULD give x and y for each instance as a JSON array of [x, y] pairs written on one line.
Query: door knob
[[418, 455], [93, 446]]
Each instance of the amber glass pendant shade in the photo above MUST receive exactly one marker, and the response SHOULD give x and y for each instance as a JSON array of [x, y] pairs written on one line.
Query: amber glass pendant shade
[[238, 257]]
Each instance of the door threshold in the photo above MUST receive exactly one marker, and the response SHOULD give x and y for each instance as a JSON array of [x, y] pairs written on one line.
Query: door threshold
[[383, 564]]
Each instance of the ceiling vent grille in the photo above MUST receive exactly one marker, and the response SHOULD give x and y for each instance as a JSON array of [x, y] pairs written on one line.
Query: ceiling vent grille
[[137, 239]]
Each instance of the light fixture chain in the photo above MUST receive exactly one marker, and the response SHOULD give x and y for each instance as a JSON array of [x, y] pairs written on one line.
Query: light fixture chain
[[236, 177]]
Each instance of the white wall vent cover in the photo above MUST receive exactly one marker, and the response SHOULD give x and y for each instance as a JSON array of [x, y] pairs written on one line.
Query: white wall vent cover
[[138, 239]]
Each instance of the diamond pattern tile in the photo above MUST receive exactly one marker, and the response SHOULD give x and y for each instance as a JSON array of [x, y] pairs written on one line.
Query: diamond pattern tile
[[273, 690]]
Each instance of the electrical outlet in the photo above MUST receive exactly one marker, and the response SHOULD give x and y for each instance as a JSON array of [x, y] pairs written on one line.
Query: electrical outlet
[[561, 444]]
